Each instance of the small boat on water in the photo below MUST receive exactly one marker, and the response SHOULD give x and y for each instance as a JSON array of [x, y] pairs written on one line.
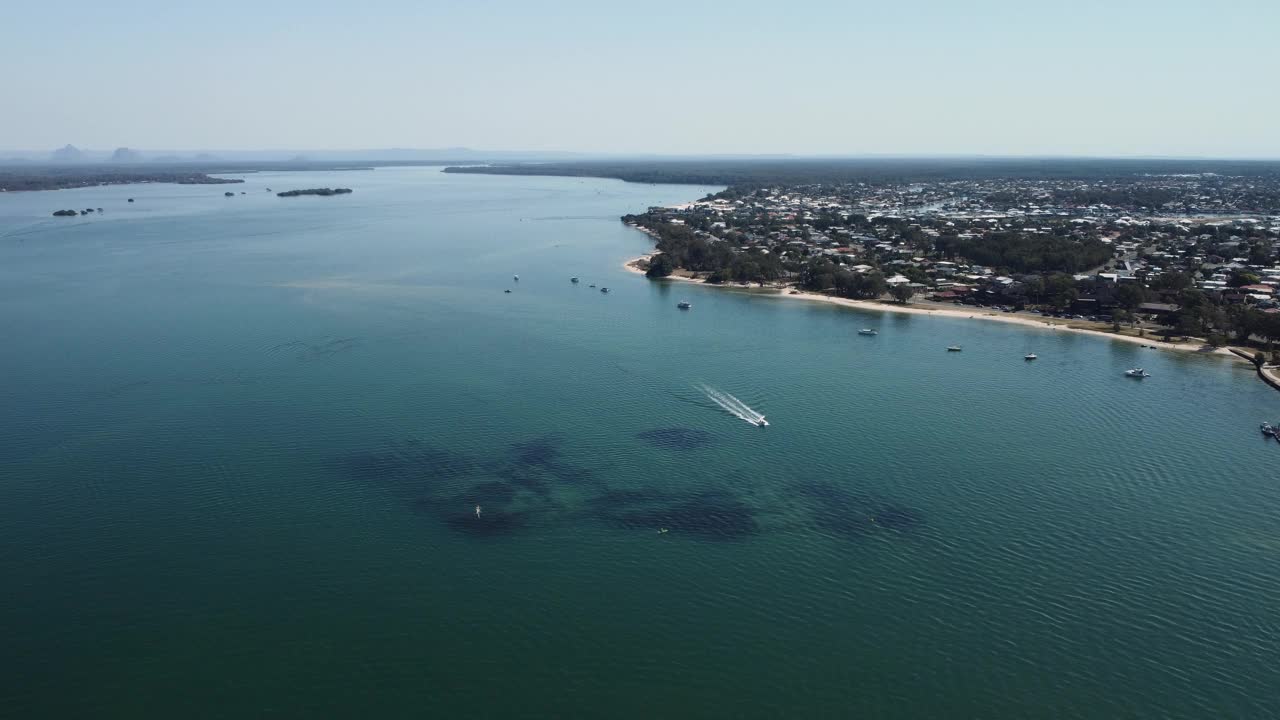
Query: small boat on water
[[1137, 373], [954, 348], [868, 331], [516, 278], [592, 285], [1270, 430], [684, 305], [573, 280], [761, 422], [508, 291], [1029, 356], [604, 290]]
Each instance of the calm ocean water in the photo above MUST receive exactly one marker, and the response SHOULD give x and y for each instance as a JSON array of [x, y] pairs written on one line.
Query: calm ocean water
[[242, 439]]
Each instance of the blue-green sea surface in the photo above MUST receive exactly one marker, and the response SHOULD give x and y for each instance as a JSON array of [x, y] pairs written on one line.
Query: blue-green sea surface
[[242, 442]]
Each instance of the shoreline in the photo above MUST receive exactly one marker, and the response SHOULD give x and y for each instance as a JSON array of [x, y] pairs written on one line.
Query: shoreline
[[632, 266]]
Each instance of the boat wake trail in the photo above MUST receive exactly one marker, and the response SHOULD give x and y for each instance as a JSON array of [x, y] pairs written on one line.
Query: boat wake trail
[[733, 405]]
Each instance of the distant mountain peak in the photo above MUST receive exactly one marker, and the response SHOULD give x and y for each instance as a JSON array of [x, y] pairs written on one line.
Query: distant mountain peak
[[68, 153], [124, 154]]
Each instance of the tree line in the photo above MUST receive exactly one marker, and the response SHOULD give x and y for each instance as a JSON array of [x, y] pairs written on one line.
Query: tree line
[[1026, 253]]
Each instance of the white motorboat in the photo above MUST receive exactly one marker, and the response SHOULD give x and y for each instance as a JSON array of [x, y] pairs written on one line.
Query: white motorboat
[[1137, 373], [868, 331], [684, 305], [1029, 356], [761, 422], [954, 348]]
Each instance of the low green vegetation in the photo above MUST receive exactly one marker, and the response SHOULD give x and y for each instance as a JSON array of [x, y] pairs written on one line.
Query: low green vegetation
[[324, 192], [820, 275], [1019, 252], [679, 247]]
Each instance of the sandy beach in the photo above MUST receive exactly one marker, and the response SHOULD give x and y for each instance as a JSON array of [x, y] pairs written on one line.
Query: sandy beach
[[961, 312]]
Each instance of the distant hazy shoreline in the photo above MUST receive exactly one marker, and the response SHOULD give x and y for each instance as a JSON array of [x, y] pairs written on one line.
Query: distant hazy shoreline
[[34, 178], [792, 171]]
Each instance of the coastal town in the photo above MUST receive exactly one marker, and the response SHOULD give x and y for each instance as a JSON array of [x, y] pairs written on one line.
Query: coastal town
[[1188, 257]]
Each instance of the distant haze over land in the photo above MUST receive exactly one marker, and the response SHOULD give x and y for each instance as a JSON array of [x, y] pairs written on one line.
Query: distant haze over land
[[76, 168], [70, 154]]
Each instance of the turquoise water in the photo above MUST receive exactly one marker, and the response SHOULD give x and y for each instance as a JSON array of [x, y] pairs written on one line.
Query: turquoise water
[[242, 440]]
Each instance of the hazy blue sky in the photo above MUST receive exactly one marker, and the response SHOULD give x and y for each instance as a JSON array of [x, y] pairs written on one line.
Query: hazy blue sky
[[1121, 77]]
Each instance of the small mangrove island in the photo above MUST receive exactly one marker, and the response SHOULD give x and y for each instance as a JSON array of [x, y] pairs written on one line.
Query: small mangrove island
[[315, 191]]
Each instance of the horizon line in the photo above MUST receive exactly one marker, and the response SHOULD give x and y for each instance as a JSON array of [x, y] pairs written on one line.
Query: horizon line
[[570, 155]]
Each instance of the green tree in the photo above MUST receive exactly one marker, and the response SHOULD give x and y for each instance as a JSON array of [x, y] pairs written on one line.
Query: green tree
[[902, 292], [660, 266], [1035, 288], [1129, 295], [818, 274], [1120, 315], [1213, 317], [869, 285], [1171, 281], [1259, 253], [1063, 299], [1268, 326], [915, 274], [1241, 321], [1186, 322], [1240, 277]]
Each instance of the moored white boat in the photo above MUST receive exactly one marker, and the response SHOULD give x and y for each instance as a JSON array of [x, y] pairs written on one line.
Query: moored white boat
[[868, 331]]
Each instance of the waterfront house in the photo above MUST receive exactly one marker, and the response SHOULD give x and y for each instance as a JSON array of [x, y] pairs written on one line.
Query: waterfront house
[[1158, 309]]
